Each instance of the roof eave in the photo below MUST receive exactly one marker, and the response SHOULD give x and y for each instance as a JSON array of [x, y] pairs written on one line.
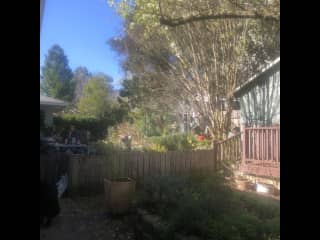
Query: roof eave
[[239, 89]]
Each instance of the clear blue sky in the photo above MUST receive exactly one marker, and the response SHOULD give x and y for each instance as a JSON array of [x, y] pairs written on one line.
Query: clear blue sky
[[82, 28]]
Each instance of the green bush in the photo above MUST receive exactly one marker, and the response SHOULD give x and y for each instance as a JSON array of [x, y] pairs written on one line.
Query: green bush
[[102, 148], [258, 205], [98, 128], [190, 216], [204, 197], [205, 144], [180, 142], [173, 142], [204, 205], [161, 192]]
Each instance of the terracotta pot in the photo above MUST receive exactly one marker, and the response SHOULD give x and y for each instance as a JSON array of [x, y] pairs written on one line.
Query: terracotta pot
[[119, 194], [242, 184], [276, 192]]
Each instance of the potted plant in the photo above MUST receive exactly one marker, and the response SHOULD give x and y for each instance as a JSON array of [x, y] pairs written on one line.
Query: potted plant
[[119, 192], [242, 183]]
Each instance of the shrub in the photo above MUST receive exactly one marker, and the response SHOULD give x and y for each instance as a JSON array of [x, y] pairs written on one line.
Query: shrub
[[261, 207], [179, 142], [102, 148], [174, 142], [154, 148], [96, 127], [161, 192], [190, 216], [205, 144], [204, 205], [203, 198]]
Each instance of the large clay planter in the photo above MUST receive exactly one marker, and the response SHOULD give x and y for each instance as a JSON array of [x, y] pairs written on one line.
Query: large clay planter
[[119, 194], [243, 185]]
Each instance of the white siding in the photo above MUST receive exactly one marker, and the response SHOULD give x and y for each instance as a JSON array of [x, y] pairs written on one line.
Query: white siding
[[260, 105]]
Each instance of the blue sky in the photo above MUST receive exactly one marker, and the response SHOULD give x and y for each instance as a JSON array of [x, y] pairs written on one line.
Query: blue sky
[[82, 28]]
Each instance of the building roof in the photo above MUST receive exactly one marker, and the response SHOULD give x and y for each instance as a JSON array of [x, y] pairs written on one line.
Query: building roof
[[256, 76], [49, 101]]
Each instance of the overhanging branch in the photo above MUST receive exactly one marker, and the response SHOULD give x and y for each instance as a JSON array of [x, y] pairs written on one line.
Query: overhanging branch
[[173, 22]]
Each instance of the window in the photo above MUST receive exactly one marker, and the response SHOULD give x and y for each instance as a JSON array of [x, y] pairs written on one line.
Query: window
[[236, 105]]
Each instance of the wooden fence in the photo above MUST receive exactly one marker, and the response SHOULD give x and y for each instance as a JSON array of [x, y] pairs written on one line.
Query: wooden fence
[[229, 150], [52, 166], [86, 173]]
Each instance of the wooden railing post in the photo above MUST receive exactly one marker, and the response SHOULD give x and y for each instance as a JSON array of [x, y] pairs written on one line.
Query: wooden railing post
[[243, 144]]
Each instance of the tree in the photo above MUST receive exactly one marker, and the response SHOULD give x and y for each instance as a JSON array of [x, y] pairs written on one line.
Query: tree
[[175, 13], [108, 80], [57, 75], [197, 64], [134, 91], [179, 70], [96, 101], [81, 76], [95, 111], [180, 12], [144, 88]]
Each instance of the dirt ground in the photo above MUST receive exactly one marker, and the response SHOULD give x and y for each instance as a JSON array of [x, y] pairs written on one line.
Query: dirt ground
[[86, 219]]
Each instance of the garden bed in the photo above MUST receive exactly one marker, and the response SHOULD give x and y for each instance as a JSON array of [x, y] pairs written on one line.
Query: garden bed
[[201, 207], [152, 227]]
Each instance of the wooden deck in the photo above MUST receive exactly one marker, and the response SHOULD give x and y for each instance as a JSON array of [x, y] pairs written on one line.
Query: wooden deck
[[265, 171]]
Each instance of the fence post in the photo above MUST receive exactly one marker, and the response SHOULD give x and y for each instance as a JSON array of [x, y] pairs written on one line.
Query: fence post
[[215, 155]]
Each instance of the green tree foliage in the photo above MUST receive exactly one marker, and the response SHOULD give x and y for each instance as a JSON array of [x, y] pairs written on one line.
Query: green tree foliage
[[179, 12], [57, 75], [190, 68], [96, 100], [133, 91], [153, 110], [81, 76], [96, 108], [96, 126], [152, 123]]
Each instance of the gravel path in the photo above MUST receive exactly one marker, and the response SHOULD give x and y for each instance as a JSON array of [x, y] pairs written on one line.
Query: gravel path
[[85, 219]]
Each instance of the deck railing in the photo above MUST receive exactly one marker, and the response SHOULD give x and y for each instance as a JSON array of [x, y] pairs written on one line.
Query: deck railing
[[261, 151], [261, 144]]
